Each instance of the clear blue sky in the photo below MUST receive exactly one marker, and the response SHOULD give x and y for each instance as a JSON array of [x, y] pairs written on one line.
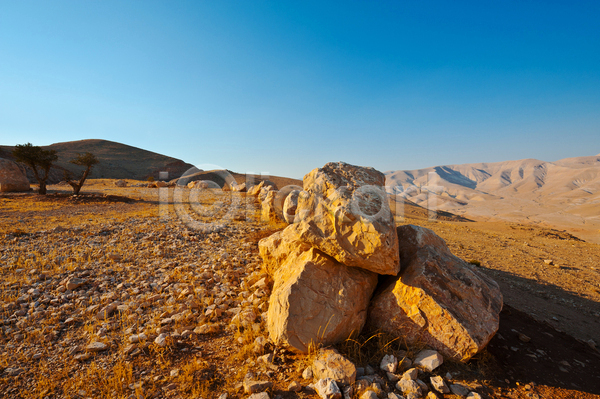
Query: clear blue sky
[[284, 87]]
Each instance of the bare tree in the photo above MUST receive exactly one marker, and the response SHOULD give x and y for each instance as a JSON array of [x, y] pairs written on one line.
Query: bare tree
[[36, 158]]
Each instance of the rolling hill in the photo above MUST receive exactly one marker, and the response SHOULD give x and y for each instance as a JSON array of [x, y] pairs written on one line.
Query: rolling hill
[[117, 161]]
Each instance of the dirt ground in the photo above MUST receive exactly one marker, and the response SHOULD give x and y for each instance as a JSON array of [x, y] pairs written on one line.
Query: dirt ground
[[545, 347]]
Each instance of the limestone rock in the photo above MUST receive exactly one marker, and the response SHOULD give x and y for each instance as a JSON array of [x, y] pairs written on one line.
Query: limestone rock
[[276, 248], [12, 178], [428, 359], [256, 386], [438, 298], [330, 364], [439, 384], [74, 283], [316, 299], [344, 212], [240, 188], [328, 389], [254, 190], [290, 205], [407, 386], [389, 363], [96, 347], [269, 211]]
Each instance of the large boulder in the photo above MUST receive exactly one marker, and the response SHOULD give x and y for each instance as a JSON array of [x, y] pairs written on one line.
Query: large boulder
[[316, 299], [290, 205], [344, 212], [275, 249], [12, 178], [438, 299]]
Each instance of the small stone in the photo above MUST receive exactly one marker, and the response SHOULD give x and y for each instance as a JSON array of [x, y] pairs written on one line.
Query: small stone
[[331, 364], [410, 374], [431, 395], [474, 395], [82, 357], [389, 363], [256, 386], [428, 359], [407, 386], [74, 283], [423, 386], [261, 395], [369, 395], [294, 387], [223, 396], [96, 347], [438, 383], [524, 338], [328, 389], [307, 374], [393, 378], [393, 395], [459, 390], [548, 261], [13, 371], [174, 373], [161, 340], [209, 328]]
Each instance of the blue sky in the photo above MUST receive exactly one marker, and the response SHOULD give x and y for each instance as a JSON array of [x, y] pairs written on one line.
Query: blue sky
[[284, 87]]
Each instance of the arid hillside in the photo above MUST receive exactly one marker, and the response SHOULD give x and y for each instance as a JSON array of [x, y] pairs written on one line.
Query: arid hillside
[[117, 161], [564, 193]]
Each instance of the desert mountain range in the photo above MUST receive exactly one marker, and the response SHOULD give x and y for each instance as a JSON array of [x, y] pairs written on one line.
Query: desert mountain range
[[565, 193]]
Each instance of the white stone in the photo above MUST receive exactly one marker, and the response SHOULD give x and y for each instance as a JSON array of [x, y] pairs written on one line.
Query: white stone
[[389, 363], [428, 359]]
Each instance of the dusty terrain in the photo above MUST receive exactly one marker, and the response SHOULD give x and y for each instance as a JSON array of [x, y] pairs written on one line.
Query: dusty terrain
[[163, 277]]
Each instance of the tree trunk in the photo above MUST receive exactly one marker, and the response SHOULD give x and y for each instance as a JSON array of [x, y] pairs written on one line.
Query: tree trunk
[[42, 190], [76, 187]]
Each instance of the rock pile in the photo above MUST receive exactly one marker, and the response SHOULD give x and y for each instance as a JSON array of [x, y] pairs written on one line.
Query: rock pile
[[12, 179], [326, 266]]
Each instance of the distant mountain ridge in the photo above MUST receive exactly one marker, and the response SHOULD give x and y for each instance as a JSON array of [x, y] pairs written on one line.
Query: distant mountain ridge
[[565, 192], [117, 161]]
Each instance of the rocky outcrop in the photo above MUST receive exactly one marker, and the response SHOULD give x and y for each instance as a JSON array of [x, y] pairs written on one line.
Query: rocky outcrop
[[438, 299], [255, 190], [316, 299], [346, 215], [12, 178], [270, 213], [275, 249]]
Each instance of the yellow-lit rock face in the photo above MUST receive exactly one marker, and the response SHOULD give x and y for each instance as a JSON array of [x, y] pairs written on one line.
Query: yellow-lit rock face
[[344, 212], [437, 299], [317, 299]]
